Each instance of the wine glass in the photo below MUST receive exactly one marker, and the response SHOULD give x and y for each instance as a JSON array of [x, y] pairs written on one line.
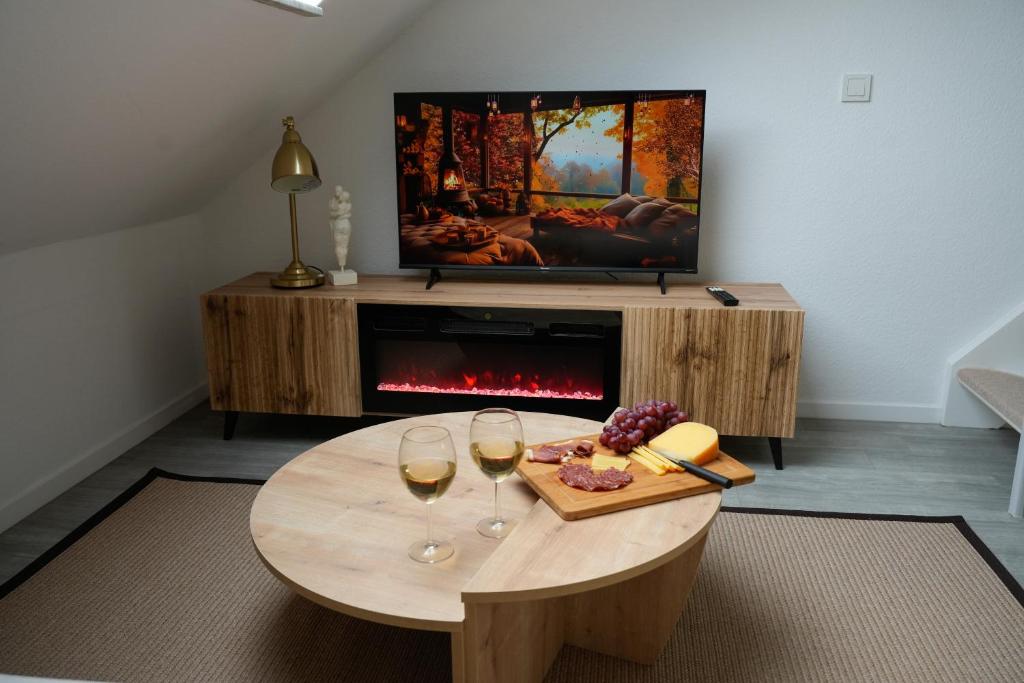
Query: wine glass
[[426, 462], [496, 444]]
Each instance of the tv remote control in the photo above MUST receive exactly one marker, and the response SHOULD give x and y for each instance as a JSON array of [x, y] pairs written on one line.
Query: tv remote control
[[725, 297]]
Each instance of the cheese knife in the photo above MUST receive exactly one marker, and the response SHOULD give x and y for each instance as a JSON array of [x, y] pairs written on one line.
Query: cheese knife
[[697, 470]]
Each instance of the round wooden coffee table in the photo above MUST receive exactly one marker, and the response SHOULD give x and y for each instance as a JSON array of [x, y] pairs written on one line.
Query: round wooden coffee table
[[334, 525]]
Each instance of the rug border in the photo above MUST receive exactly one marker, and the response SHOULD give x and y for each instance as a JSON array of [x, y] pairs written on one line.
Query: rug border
[[110, 508], [997, 567], [961, 525]]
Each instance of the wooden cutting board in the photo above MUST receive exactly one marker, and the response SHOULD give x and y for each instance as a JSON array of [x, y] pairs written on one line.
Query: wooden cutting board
[[646, 488]]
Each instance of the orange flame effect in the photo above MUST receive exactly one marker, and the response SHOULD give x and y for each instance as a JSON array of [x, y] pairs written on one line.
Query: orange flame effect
[[452, 181], [490, 383]]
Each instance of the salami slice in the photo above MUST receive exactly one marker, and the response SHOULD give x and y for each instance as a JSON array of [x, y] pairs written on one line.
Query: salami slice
[[585, 478]]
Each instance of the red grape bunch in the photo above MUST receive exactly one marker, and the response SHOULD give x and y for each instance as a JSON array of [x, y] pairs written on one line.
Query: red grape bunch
[[644, 421]]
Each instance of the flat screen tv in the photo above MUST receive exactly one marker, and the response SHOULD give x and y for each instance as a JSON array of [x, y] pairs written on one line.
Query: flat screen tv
[[550, 180]]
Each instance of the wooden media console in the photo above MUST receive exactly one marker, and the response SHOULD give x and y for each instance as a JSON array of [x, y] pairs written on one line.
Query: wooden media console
[[297, 351]]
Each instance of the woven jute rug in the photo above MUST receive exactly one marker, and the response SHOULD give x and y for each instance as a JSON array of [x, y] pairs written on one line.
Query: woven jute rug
[[164, 584]]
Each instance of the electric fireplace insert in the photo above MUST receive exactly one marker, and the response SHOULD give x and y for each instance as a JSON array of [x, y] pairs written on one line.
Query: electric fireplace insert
[[429, 359]]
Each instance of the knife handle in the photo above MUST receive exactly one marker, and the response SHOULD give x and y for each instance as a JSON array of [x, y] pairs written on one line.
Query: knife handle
[[706, 474]]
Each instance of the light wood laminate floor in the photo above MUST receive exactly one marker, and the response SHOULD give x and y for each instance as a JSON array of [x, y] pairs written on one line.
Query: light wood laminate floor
[[831, 465]]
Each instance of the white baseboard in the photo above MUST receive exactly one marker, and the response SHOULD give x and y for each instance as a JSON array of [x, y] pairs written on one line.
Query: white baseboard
[[875, 412], [46, 489]]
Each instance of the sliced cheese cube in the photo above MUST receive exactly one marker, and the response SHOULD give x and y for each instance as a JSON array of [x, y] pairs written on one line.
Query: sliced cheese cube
[[648, 462], [603, 462], [661, 459], [691, 441]]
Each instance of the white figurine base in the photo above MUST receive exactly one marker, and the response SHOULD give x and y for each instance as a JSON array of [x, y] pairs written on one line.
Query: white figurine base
[[343, 277]]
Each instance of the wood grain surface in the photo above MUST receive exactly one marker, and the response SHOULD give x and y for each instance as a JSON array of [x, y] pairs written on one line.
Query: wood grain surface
[[647, 487], [510, 642], [335, 522], [516, 642], [460, 291], [282, 355], [634, 619], [734, 369], [295, 351]]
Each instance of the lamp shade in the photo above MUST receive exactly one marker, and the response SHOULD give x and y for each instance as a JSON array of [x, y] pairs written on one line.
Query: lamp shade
[[294, 169]]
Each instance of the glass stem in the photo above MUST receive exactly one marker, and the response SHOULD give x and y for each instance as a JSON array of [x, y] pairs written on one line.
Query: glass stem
[[497, 504], [430, 535]]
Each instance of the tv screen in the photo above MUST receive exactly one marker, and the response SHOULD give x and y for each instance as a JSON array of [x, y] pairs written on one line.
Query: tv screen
[[555, 180]]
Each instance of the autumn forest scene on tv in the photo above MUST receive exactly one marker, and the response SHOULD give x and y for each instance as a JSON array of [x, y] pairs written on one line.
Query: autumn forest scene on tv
[[592, 180]]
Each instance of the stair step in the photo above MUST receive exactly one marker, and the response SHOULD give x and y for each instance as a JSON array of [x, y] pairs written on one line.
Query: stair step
[[1003, 392]]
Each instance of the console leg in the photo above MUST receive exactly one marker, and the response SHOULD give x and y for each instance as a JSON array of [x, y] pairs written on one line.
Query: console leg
[[230, 420], [775, 443], [435, 277], [661, 283]]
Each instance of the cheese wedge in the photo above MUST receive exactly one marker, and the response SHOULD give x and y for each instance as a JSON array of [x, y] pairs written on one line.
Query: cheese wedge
[[603, 462], [690, 441]]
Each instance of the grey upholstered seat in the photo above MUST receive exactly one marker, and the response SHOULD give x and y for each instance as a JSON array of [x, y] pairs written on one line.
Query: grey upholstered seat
[[1003, 392]]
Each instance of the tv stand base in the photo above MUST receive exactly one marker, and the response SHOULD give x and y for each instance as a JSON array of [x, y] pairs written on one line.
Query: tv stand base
[[435, 277], [661, 283]]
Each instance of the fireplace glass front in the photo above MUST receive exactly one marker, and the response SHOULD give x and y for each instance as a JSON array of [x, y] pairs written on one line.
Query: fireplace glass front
[[425, 359]]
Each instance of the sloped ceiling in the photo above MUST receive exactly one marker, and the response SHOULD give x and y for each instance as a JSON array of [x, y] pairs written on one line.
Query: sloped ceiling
[[116, 113]]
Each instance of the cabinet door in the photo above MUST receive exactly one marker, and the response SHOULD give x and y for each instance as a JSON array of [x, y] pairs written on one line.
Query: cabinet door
[[281, 354], [734, 369]]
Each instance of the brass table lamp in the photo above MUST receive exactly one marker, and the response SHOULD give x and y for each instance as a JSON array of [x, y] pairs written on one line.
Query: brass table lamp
[[294, 171]]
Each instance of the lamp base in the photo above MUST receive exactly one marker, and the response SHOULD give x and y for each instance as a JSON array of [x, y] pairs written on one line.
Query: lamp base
[[298, 275]]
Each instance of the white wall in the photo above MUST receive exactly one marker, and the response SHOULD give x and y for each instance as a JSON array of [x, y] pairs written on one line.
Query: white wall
[[897, 223], [138, 110], [101, 345]]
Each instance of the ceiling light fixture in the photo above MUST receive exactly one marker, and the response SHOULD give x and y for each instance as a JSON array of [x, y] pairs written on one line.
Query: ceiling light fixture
[[307, 8]]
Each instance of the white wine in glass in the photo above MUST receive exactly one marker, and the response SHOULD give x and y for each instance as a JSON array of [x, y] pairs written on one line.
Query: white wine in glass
[[496, 444], [426, 463]]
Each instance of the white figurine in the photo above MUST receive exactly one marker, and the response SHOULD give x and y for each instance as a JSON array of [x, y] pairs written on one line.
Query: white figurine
[[341, 210]]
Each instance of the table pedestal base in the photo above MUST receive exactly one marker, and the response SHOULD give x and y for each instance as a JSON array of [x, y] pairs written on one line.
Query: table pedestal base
[[516, 642]]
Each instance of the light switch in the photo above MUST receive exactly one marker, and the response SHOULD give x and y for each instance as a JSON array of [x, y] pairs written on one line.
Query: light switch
[[857, 88]]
